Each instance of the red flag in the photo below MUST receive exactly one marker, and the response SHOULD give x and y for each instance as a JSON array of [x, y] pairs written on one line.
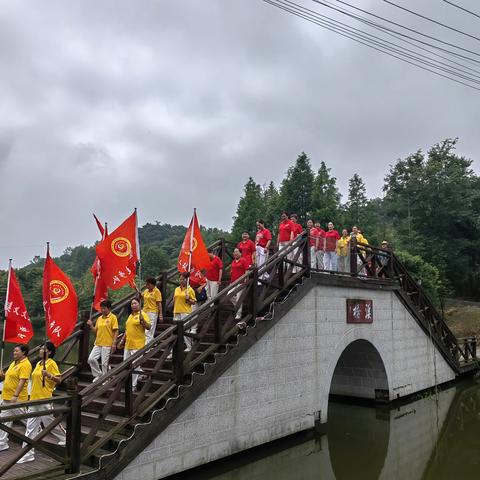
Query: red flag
[[101, 289], [18, 328], [100, 226], [197, 277], [59, 301], [118, 254], [193, 245]]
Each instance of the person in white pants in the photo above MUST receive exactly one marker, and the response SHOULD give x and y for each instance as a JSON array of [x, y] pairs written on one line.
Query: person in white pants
[[45, 377], [152, 306], [183, 300], [331, 240], [238, 268], [134, 338], [262, 244], [214, 275], [15, 387], [106, 330], [319, 246], [312, 242]]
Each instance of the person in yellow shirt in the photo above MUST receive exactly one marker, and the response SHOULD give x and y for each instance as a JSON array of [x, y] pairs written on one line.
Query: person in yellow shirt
[[183, 299], [152, 306], [15, 385], [45, 377], [134, 338], [106, 329], [360, 239], [343, 252]]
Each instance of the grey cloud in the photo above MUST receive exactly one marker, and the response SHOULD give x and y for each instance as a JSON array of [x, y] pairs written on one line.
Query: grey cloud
[[164, 106]]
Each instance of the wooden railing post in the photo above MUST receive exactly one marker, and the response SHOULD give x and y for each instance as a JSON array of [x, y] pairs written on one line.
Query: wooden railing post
[[217, 329], [281, 272], [473, 344], [353, 256], [373, 264], [223, 255], [179, 353], [163, 291], [253, 293], [129, 393], [390, 265], [84, 343], [306, 254], [74, 423]]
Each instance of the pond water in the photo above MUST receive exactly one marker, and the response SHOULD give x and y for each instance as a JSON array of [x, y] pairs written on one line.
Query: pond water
[[436, 437]]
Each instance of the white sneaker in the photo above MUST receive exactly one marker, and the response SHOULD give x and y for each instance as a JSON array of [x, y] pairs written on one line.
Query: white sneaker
[[62, 443], [27, 458], [4, 446]]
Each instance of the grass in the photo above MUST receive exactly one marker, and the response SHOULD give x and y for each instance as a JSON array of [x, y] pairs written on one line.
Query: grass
[[463, 318]]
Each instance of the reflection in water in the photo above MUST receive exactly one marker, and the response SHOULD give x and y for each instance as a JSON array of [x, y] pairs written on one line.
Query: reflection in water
[[433, 438], [360, 433]]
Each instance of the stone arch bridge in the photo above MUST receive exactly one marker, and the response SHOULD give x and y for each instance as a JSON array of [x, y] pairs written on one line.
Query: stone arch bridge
[[371, 334]]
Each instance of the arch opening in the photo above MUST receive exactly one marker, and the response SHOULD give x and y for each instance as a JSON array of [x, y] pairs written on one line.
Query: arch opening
[[360, 373]]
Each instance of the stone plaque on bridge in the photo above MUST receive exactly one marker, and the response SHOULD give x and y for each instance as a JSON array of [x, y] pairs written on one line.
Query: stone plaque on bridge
[[359, 311]]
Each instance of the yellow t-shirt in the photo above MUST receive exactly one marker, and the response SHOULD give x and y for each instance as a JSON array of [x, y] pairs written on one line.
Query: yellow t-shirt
[[16, 372], [150, 299], [180, 304], [105, 330], [40, 391], [135, 331], [342, 246]]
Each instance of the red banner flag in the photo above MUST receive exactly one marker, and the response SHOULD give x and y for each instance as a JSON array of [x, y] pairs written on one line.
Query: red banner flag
[[59, 301], [101, 289], [99, 226], [18, 328], [118, 254], [193, 246]]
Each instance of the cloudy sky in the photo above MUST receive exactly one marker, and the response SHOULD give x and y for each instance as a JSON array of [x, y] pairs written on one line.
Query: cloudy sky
[[107, 105]]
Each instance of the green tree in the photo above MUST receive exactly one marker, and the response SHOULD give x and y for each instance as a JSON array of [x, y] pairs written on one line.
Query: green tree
[[249, 210], [435, 202], [356, 207], [271, 206], [297, 188], [325, 196], [424, 273]]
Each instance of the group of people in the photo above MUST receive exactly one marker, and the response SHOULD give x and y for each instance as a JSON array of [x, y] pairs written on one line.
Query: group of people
[[329, 250], [43, 380]]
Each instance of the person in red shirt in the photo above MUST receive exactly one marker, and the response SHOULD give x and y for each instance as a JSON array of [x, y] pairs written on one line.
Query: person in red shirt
[[285, 233], [296, 231], [263, 240], [247, 247], [331, 239], [296, 227], [214, 275], [319, 246], [312, 241], [238, 268]]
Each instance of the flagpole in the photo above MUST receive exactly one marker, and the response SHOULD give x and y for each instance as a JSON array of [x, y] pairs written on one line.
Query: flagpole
[[46, 316], [191, 246], [5, 312], [97, 276]]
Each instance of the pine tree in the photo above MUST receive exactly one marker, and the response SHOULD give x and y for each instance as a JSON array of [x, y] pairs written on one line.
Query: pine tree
[[249, 210], [271, 205], [297, 187], [325, 197], [357, 202]]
